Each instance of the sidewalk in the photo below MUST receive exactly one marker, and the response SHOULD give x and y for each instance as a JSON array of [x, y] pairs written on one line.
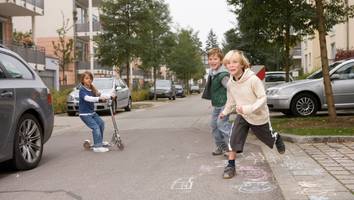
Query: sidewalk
[[313, 171]]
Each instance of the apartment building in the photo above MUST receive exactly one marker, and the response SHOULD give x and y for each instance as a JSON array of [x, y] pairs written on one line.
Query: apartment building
[[76, 13], [340, 37], [9, 9]]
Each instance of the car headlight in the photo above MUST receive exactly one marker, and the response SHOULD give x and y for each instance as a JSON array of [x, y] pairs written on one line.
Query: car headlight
[[272, 92], [70, 98]]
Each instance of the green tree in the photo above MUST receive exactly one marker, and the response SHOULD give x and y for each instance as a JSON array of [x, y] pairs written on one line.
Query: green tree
[[212, 41], [186, 57], [63, 49], [269, 24], [124, 23], [158, 39]]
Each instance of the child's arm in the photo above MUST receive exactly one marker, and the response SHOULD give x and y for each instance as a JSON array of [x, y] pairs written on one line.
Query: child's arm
[[230, 103], [259, 92], [224, 81]]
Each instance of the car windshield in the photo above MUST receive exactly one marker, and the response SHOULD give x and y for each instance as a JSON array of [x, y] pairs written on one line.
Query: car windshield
[[163, 83], [318, 74], [103, 83]]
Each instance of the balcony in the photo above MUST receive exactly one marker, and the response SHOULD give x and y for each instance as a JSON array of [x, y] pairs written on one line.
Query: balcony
[[95, 3], [82, 30], [82, 66], [296, 53], [10, 8], [34, 55]]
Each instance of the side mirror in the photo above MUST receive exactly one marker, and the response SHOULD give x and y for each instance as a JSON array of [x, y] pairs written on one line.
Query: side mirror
[[335, 77]]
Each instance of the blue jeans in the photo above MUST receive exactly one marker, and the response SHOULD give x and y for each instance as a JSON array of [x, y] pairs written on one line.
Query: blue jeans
[[220, 127], [95, 123]]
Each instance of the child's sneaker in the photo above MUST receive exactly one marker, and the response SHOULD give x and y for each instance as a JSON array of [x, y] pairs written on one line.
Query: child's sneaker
[[100, 149], [280, 144], [106, 144], [229, 172], [222, 149]]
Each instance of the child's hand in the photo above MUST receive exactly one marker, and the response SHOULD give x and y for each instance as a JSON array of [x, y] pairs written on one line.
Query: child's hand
[[103, 98], [239, 109], [221, 116]]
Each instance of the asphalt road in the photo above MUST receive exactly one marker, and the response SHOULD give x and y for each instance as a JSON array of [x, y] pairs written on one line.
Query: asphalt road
[[167, 155]]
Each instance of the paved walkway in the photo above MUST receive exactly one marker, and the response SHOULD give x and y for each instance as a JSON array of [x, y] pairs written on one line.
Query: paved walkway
[[336, 158], [313, 171]]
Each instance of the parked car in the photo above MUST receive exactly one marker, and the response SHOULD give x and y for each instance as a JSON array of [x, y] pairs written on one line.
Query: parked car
[[306, 97], [26, 112], [105, 86], [195, 89], [273, 78], [164, 89], [179, 91]]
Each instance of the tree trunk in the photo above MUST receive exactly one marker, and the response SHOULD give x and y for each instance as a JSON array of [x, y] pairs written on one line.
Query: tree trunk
[[324, 61], [154, 69], [287, 53], [128, 73]]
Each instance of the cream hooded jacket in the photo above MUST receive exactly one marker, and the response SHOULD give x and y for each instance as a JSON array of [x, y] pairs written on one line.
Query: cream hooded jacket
[[249, 93]]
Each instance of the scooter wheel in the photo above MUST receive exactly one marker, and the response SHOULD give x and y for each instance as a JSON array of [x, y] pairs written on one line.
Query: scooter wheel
[[87, 145], [120, 145]]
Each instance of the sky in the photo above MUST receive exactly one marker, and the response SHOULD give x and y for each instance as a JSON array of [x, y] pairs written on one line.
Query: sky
[[201, 16]]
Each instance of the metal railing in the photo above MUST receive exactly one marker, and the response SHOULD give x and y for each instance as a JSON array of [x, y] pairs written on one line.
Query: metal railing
[[31, 54], [85, 27], [37, 3]]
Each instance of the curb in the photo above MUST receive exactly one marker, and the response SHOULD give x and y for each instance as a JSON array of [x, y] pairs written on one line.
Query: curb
[[315, 139]]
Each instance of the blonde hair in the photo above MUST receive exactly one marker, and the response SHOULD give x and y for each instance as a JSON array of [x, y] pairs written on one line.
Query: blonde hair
[[92, 87], [217, 52], [236, 55]]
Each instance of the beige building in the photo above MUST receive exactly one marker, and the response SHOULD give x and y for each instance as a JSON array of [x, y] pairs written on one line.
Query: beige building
[[340, 37], [76, 14]]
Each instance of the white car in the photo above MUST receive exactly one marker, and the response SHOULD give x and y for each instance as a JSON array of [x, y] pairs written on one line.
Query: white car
[[106, 86]]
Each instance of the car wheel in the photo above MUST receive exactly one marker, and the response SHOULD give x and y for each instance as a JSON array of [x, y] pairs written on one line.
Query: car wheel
[[28, 143], [304, 105], [129, 106], [174, 97], [71, 113]]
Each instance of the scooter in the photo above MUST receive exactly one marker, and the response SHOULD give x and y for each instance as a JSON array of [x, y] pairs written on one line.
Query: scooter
[[116, 140]]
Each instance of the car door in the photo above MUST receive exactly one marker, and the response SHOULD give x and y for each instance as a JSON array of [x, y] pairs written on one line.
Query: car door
[[123, 93], [7, 108], [343, 86]]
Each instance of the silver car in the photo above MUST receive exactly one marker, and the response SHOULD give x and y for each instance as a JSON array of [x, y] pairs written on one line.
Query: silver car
[[105, 86], [306, 97], [26, 113]]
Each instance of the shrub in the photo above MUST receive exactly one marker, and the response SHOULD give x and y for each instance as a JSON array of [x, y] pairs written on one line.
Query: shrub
[[59, 100], [140, 95]]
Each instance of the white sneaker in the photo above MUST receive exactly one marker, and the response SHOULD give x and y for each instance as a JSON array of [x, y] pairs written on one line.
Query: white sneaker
[[106, 144], [100, 149]]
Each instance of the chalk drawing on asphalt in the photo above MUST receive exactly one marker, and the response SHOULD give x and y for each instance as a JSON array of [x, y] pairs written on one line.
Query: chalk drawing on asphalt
[[253, 173], [255, 187], [184, 184], [313, 197], [192, 155]]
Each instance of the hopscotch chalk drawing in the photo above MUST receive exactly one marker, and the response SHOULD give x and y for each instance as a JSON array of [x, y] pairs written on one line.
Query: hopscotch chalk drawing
[[184, 184], [255, 187], [253, 173]]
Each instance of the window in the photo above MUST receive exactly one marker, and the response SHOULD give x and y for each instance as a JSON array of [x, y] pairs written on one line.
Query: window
[[2, 74], [275, 77], [346, 72], [14, 67]]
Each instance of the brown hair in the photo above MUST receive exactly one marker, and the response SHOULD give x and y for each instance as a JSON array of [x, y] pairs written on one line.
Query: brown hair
[[217, 52], [234, 55], [92, 87]]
